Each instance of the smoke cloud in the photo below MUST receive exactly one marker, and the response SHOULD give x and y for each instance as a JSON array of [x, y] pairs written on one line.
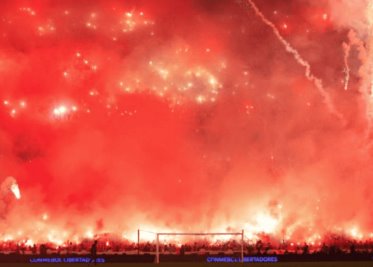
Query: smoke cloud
[[182, 115]]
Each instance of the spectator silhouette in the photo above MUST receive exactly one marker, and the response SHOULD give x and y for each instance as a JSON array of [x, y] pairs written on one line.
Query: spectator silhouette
[[324, 249], [182, 250], [93, 253], [305, 249], [352, 248]]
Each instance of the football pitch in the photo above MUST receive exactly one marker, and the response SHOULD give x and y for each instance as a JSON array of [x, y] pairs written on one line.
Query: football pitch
[[192, 264]]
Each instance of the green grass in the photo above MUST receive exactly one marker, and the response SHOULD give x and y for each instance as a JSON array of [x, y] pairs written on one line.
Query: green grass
[[278, 264]]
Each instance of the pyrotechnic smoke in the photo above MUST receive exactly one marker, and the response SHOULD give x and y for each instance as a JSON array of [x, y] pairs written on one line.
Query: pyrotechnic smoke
[[8, 190], [358, 16], [185, 115], [9, 185], [301, 61]]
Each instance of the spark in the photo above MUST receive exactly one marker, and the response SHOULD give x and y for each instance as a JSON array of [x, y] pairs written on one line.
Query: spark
[[200, 99], [213, 81], [22, 104], [13, 112]]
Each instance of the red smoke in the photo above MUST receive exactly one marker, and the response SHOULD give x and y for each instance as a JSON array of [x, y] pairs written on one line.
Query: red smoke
[[179, 115]]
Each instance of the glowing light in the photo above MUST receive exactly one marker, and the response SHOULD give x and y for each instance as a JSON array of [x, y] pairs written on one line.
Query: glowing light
[[213, 81], [15, 190], [13, 112], [52, 237], [132, 20], [200, 99], [8, 238], [60, 111], [89, 234], [355, 233], [22, 104], [264, 223], [29, 243]]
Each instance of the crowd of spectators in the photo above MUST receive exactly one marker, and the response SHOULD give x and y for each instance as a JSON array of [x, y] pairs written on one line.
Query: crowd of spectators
[[260, 247]]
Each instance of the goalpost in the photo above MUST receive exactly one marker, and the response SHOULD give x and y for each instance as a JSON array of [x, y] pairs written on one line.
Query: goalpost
[[170, 234]]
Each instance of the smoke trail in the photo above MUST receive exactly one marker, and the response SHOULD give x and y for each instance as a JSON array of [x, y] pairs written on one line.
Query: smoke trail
[[364, 72], [309, 75], [369, 66], [346, 50], [358, 16]]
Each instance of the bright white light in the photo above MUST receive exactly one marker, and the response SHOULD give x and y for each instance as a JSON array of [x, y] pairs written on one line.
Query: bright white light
[[354, 232], [89, 234], [29, 243], [8, 238], [60, 110], [213, 81], [264, 223], [15, 190]]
